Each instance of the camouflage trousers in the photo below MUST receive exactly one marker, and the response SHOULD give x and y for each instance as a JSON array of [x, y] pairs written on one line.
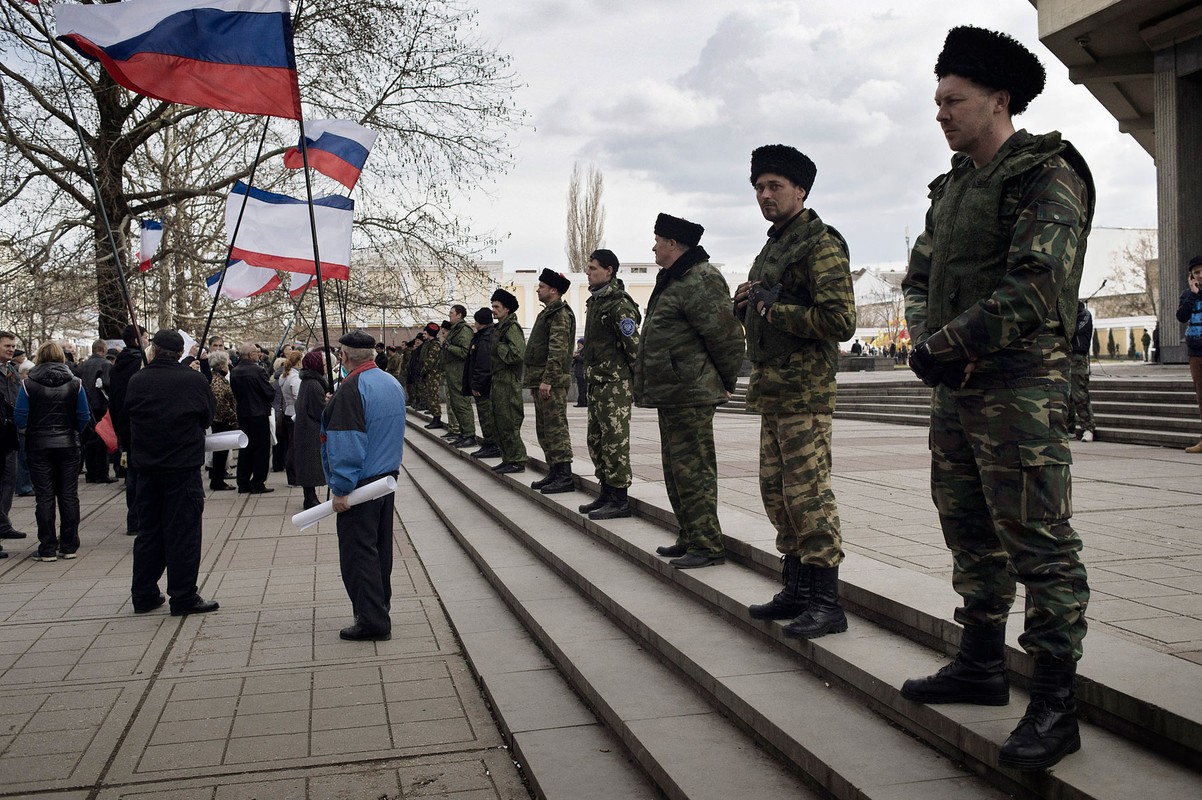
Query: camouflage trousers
[[508, 414], [1080, 411], [795, 484], [459, 407], [484, 412], [551, 425], [431, 385], [609, 431], [1001, 482], [686, 441]]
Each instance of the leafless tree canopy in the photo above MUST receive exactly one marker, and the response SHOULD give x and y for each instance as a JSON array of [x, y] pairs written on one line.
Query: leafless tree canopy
[[586, 216], [1134, 270], [413, 71]]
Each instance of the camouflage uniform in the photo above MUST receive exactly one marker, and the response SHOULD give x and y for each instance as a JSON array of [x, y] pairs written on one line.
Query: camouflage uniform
[[454, 355], [794, 353], [505, 393], [688, 362], [611, 345], [548, 360], [431, 376], [396, 365], [1004, 292]]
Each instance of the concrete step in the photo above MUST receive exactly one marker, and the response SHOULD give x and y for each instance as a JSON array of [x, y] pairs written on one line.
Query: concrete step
[[872, 662]]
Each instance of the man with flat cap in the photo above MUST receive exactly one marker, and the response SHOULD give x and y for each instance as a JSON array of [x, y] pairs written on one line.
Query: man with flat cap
[[991, 298], [548, 374], [689, 357], [505, 389], [362, 437], [797, 305], [169, 407]]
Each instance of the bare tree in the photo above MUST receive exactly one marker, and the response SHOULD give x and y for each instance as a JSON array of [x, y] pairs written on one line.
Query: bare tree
[[1135, 271], [586, 216]]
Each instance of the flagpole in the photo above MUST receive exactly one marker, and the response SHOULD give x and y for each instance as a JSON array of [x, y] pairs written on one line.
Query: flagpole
[[102, 212], [321, 296]]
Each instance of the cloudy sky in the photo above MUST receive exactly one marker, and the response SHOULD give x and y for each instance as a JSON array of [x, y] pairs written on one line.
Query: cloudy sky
[[669, 97]]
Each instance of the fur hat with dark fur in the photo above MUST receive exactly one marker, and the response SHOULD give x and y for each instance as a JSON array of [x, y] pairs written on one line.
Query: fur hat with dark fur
[[680, 230], [993, 60], [786, 161]]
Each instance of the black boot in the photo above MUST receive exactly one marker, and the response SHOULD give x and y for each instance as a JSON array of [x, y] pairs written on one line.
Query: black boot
[[600, 501], [617, 507], [1048, 731], [791, 601], [437, 423], [977, 674], [487, 450], [311, 497], [561, 479], [543, 481], [824, 614]]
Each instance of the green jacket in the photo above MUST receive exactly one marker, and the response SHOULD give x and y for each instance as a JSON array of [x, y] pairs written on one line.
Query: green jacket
[[431, 356], [611, 334], [795, 356], [692, 345], [508, 351], [549, 350], [454, 351], [995, 274]]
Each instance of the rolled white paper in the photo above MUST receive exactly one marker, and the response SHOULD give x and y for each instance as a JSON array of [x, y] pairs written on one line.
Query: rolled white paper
[[226, 440], [373, 490]]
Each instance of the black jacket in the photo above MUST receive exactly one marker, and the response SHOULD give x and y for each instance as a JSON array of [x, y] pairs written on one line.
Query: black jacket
[[1083, 337], [477, 374], [253, 393], [53, 393], [91, 369], [128, 362], [169, 407]]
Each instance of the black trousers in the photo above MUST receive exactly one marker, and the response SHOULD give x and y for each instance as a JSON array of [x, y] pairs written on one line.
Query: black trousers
[[55, 476], [220, 457], [365, 555], [255, 458], [95, 456], [170, 505], [279, 451]]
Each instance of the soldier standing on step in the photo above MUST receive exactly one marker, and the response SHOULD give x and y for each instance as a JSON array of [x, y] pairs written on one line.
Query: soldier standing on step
[[477, 380], [991, 297], [505, 388], [611, 346], [548, 374], [431, 374], [454, 354], [797, 306]]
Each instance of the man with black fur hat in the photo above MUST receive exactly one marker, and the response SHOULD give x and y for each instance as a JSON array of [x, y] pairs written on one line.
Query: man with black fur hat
[[477, 381], [797, 305], [505, 390], [169, 407], [548, 362], [689, 357], [431, 374], [991, 297]]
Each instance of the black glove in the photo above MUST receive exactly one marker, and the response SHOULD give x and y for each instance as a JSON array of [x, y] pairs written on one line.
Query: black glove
[[933, 372], [758, 294]]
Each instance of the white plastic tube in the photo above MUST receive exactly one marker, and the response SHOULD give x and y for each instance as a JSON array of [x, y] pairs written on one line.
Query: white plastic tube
[[312, 516], [226, 440]]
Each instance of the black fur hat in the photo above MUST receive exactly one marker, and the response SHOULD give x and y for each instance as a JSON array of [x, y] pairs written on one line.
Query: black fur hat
[[556, 280], [993, 60], [783, 160], [506, 299], [681, 230]]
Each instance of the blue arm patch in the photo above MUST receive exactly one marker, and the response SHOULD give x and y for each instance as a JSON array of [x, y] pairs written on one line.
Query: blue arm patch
[[627, 327]]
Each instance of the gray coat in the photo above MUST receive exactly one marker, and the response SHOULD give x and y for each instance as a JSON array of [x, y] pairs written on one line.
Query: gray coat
[[306, 435]]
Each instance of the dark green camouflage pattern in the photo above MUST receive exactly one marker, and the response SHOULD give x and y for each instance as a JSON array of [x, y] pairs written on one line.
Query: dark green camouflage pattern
[[609, 405], [549, 350], [551, 425], [611, 333], [686, 440], [454, 357], [488, 433], [795, 484], [431, 377], [505, 393], [1080, 410]]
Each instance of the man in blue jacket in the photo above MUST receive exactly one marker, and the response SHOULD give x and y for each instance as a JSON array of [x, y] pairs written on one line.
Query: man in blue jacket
[[362, 436]]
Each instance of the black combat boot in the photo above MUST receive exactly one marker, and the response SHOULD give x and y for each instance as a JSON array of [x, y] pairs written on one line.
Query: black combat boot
[[1048, 731], [976, 675], [794, 598], [600, 501], [543, 481], [487, 450], [617, 507], [437, 423], [824, 614], [561, 479]]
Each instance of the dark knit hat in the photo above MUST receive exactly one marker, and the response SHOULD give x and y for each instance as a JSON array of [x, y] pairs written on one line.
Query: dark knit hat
[[683, 231], [167, 339], [556, 280], [605, 258], [783, 160], [993, 60], [432, 328], [483, 316], [446, 325], [506, 299], [1196, 261], [313, 361], [358, 339]]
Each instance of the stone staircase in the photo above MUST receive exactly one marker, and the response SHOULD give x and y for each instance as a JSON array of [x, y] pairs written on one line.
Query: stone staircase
[[1161, 413], [664, 687]]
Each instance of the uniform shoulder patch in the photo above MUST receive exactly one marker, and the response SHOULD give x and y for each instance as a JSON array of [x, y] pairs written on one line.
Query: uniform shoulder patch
[[626, 326]]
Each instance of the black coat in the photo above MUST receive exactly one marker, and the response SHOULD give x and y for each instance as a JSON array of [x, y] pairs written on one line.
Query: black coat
[[128, 362], [169, 407], [477, 372], [253, 393], [91, 369], [306, 434]]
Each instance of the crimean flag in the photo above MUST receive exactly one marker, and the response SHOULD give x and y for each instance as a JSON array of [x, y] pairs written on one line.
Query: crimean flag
[[235, 55], [151, 236], [299, 283], [337, 149], [275, 231], [242, 280]]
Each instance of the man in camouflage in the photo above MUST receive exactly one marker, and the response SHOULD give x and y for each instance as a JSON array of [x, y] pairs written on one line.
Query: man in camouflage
[[689, 357], [1080, 409], [452, 424], [991, 306], [548, 375], [431, 374], [454, 353], [505, 387], [611, 346], [477, 380], [797, 305]]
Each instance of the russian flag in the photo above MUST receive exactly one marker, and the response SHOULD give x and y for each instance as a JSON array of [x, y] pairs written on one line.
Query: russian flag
[[242, 280], [275, 231], [337, 148], [151, 236], [235, 55]]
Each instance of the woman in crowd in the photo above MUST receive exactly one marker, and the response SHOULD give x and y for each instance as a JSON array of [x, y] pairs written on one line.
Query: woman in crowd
[[309, 402], [290, 381], [226, 418], [53, 410]]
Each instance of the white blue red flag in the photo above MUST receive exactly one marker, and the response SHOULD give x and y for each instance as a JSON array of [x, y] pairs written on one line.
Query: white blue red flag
[[275, 231], [297, 284], [235, 55], [151, 236], [337, 148], [242, 280]]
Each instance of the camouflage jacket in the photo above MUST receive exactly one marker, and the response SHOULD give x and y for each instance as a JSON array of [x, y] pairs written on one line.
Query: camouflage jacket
[[691, 346], [455, 347], [508, 353], [549, 350], [611, 334], [994, 276], [431, 357], [795, 352]]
